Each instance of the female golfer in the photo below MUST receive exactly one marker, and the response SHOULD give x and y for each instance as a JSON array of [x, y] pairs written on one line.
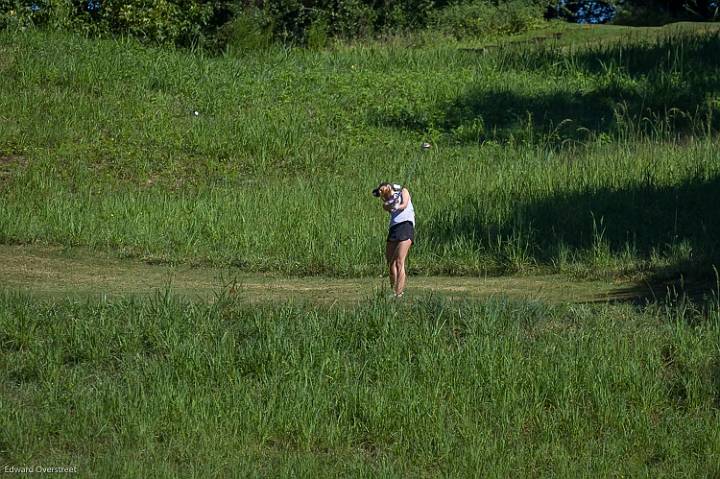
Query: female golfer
[[397, 202]]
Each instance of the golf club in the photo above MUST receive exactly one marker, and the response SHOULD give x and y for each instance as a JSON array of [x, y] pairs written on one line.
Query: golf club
[[425, 146]]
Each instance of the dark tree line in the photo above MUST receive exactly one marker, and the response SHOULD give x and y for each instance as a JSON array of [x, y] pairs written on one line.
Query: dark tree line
[[215, 23]]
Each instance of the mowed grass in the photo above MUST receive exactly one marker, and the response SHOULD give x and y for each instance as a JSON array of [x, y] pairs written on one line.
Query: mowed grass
[[598, 159], [89, 274], [163, 387]]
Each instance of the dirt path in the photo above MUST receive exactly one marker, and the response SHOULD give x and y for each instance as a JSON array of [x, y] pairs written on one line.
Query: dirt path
[[56, 272]]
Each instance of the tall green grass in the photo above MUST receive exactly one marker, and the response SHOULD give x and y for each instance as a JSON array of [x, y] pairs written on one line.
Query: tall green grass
[[599, 159], [158, 388]]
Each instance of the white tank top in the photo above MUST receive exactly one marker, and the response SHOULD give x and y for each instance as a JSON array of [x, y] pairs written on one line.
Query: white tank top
[[396, 216]]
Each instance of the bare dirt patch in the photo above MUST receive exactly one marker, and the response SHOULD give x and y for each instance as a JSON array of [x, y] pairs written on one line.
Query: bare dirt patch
[[9, 165], [54, 271], [6, 59]]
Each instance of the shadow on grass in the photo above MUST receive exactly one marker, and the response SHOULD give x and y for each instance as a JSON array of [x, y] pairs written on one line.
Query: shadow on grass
[[480, 115], [676, 226], [666, 88], [670, 286]]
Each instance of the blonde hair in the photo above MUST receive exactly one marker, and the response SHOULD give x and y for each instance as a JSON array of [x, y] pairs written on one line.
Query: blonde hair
[[386, 191]]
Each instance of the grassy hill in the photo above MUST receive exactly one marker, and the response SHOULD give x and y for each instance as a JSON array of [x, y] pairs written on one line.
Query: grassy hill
[[563, 154], [591, 152]]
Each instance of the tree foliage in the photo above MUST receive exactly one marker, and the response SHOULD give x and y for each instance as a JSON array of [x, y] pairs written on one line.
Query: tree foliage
[[216, 24], [179, 22]]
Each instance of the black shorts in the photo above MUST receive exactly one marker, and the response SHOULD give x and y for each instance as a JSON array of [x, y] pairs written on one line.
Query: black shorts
[[402, 231]]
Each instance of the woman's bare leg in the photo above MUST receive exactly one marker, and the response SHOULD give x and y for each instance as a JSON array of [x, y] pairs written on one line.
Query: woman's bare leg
[[390, 248], [401, 253]]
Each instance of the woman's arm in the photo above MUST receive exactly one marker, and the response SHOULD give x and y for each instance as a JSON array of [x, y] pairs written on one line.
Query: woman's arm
[[404, 200]]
